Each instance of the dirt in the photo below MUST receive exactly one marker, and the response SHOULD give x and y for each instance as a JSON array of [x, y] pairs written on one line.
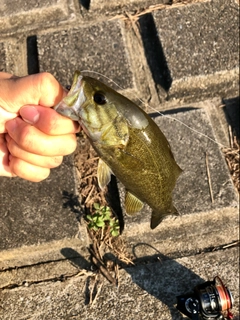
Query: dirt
[[232, 156]]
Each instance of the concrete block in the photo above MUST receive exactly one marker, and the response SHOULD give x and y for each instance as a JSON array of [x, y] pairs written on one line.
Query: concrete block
[[145, 291], [196, 51], [98, 47], [192, 197], [34, 213], [97, 8], [15, 55], [20, 15]]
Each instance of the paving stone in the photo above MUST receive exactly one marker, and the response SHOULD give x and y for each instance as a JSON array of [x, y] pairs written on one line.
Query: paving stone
[[33, 213], [192, 192], [97, 8], [145, 291], [45, 252], [98, 47], [198, 44], [18, 15], [15, 52]]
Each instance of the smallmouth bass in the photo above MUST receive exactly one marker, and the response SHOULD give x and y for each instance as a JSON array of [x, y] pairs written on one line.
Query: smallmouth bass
[[129, 144]]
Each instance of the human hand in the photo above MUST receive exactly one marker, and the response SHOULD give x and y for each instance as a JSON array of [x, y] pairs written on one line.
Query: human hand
[[33, 137]]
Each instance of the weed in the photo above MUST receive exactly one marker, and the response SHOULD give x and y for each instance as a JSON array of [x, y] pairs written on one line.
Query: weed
[[102, 218]]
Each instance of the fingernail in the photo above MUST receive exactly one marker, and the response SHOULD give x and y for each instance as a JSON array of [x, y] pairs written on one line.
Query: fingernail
[[29, 114]]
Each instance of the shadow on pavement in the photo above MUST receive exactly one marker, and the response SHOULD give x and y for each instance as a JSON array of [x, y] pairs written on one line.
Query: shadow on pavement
[[164, 279], [232, 112]]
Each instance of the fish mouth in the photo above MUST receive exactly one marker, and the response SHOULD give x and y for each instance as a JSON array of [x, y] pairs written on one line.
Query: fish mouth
[[70, 105]]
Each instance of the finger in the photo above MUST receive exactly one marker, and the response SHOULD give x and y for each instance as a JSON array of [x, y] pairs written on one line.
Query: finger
[[4, 154], [27, 171], [41, 161], [39, 89], [5, 75], [4, 117], [48, 120], [34, 141]]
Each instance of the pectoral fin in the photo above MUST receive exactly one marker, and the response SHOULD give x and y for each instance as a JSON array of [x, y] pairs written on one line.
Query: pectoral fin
[[159, 215], [103, 174], [132, 203]]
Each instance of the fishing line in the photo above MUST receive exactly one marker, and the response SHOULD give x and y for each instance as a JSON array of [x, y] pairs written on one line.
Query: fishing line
[[159, 112]]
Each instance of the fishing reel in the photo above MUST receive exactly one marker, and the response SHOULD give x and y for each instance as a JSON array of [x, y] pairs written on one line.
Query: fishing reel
[[210, 300]]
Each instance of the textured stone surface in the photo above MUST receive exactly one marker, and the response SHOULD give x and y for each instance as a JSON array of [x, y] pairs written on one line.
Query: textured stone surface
[[98, 47], [145, 291], [98, 8], [26, 14], [33, 213], [191, 151], [201, 217], [196, 41]]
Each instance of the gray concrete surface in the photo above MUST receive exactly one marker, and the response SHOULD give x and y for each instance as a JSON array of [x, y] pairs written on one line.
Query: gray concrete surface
[[82, 48], [144, 292], [27, 206], [195, 34], [180, 57]]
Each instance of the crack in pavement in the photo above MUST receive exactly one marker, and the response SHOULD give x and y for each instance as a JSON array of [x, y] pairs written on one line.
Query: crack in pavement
[[88, 273]]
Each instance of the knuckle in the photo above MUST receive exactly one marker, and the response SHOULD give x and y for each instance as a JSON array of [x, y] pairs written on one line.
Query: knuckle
[[10, 145], [25, 139], [46, 80], [53, 125]]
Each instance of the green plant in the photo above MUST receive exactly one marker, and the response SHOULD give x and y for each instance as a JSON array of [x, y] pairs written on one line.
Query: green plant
[[114, 227], [101, 218]]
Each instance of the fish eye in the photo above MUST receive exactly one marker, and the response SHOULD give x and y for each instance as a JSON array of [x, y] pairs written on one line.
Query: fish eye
[[99, 98]]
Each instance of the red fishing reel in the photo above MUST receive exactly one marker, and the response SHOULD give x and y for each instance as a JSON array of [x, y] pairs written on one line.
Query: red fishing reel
[[210, 300]]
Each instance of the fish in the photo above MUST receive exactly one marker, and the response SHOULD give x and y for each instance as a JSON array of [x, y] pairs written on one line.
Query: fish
[[129, 144]]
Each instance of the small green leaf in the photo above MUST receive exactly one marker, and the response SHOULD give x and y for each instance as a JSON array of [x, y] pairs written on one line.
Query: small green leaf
[[114, 233], [107, 216], [100, 224], [95, 218], [96, 206]]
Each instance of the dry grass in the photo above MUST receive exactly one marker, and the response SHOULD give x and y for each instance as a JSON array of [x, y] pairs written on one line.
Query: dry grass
[[86, 161], [232, 156], [107, 252]]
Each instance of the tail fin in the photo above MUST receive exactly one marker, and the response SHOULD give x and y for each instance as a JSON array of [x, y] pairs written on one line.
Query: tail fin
[[159, 215]]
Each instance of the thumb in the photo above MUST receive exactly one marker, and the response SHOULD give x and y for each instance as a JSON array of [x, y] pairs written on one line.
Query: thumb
[[38, 89]]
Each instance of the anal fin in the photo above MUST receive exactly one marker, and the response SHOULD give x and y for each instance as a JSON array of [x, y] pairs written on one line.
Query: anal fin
[[132, 203]]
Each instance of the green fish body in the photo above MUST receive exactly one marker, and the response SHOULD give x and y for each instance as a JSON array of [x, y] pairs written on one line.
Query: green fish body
[[129, 144]]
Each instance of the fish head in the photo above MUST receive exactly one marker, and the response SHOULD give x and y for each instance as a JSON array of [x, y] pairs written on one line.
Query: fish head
[[98, 108], [91, 103]]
